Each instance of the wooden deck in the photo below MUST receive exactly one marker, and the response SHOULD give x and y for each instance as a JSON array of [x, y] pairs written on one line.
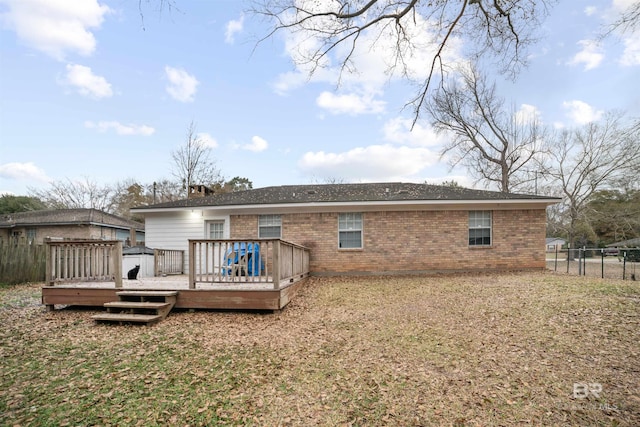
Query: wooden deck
[[261, 274], [232, 295]]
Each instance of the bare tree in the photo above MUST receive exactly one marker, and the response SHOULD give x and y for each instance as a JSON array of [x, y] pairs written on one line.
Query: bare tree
[[494, 144], [628, 21], [590, 159], [192, 161], [68, 194], [129, 193], [332, 31]]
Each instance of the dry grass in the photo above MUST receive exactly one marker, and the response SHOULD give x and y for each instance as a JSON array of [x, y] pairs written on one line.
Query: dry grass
[[609, 268], [445, 350]]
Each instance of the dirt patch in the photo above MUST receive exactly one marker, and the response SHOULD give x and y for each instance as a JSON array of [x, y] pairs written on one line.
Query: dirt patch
[[542, 349]]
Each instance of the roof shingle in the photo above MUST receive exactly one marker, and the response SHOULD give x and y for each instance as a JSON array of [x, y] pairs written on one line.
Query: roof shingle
[[66, 217], [326, 193]]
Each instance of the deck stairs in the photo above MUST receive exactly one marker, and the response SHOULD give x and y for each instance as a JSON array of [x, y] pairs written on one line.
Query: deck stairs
[[146, 307]]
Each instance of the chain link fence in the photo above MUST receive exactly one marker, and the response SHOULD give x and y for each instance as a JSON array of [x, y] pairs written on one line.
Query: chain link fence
[[611, 263]]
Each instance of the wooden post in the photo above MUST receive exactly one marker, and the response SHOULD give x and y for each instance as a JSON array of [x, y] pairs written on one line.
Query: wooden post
[[192, 264], [49, 265], [132, 237], [117, 263], [276, 264], [156, 261]]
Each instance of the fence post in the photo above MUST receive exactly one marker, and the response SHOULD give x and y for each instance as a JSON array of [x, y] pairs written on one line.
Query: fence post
[[156, 261], [602, 262], [117, 261], [48, 268], [192, 264], [579, 261], [276, 264]]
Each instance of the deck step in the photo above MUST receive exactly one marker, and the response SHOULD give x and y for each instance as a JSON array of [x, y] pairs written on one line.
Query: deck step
[[127, 317], [139, 306], [147, 305], [147, 293]]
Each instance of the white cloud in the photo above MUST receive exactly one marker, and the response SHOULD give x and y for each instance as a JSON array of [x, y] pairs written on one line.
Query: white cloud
[[120, 129], [23, 172], [373, 64], [399, 131], [55, 27], [233, 27], [591, 55], [257, 144], [207, 140], [590, 10], [527, 114], [621, 5], [372, 163], [349, 104], [631, 54], [288, 81], [581, 113], [182, 85], [87, 83]]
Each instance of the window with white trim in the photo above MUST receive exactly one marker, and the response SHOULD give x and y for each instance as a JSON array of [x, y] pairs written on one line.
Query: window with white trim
[[350, 230], [479, 228], [216, 229], [269, 226]]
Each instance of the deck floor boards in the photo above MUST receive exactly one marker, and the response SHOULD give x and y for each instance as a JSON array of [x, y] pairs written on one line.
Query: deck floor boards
[[231, 295]]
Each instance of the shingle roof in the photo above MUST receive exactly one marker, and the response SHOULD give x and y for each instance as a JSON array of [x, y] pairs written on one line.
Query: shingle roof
[[626, 243], [555, 239], [66, 217], [325, 193]]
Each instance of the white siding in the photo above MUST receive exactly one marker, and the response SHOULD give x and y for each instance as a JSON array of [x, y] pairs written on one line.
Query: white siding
[[172, 230]]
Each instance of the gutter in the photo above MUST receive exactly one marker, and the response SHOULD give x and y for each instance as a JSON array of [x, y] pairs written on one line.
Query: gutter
[[364, 205]]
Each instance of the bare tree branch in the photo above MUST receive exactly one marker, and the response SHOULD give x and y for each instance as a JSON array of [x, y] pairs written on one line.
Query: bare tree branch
[[497, 29], [628, 21], [494, 144], [193, 163], [590, 159], [68, 194]]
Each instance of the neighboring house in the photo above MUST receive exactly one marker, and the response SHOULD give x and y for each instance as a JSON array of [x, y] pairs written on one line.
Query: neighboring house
[[555, 244], [631, 243], [36, 226], [368, 228]]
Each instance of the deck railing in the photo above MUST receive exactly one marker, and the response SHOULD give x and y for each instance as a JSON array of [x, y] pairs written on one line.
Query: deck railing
[[253, 261], [168, 261], [84, 260]]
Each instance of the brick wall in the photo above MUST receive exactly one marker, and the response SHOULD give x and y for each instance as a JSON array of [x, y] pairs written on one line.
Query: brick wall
[[412, 241], [62, 231]]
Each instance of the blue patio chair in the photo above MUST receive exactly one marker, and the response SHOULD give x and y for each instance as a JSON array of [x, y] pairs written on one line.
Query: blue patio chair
[[244, 260]]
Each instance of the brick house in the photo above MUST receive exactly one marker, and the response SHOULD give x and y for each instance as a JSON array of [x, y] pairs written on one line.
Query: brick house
[[35, 226], [368, 228]]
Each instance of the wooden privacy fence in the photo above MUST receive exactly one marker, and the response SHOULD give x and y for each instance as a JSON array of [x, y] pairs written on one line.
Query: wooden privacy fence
[[84, 260], [168, 261], [21, 263], [253, 261]]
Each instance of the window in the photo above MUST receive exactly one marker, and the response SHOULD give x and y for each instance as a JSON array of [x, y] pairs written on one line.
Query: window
[[350, 231], [480, 228], [269, 226], [216, 229], [31, 235]]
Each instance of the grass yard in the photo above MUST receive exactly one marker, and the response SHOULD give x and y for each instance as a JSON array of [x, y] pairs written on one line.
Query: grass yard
[[465, 350]]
